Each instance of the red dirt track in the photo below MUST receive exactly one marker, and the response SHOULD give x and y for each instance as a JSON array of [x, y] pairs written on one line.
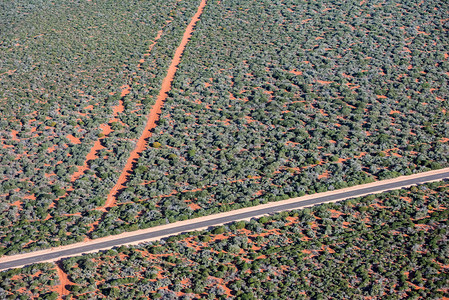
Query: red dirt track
[[153, 116], [105, 130], [64, 281]]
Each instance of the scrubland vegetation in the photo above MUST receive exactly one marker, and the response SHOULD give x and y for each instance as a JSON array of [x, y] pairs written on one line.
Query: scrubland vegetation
[[275, 99], [36, 281], [272, 99], [64, 67], [387, 246]]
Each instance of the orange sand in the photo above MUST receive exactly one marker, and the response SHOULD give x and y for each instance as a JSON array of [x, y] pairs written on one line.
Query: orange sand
[[153, 117], [64, 281], [105, 130]]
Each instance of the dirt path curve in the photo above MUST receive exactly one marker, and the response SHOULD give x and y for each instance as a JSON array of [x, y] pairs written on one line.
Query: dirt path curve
[[153, 116]]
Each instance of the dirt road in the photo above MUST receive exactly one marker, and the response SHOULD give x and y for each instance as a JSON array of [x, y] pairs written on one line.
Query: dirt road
[[155, 112], [159, 232]]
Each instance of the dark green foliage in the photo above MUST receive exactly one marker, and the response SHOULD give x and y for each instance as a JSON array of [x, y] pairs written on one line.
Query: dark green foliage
[[284, 98], [32, 281], [63, 66], [219, 230], [374, 246], [272, 99]]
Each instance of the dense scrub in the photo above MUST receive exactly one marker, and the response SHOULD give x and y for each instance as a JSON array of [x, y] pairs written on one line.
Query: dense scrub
[[274, 99], [33, 282], [64, 67], [388, 246]]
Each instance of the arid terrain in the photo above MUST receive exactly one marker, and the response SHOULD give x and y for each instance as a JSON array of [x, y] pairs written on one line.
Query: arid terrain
[[391, 244], [121, 116]]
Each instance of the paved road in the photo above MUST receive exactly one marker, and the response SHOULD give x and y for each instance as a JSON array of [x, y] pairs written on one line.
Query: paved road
[[58, 254]]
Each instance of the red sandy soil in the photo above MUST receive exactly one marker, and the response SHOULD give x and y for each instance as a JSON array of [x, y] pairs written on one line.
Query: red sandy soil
[[324, 175], [207, 84], [324, 82], [14, 135], [340, 160], [90, 156], [18, 203], [296, 72], [159, 34], [105, 130], [224, 287], [93, 225], [64, 281], [73, 139], [153, 117], [194, 206], [125, 91]]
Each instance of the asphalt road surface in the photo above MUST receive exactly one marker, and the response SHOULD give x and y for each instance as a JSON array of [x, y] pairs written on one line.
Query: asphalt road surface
[[59, 254]]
